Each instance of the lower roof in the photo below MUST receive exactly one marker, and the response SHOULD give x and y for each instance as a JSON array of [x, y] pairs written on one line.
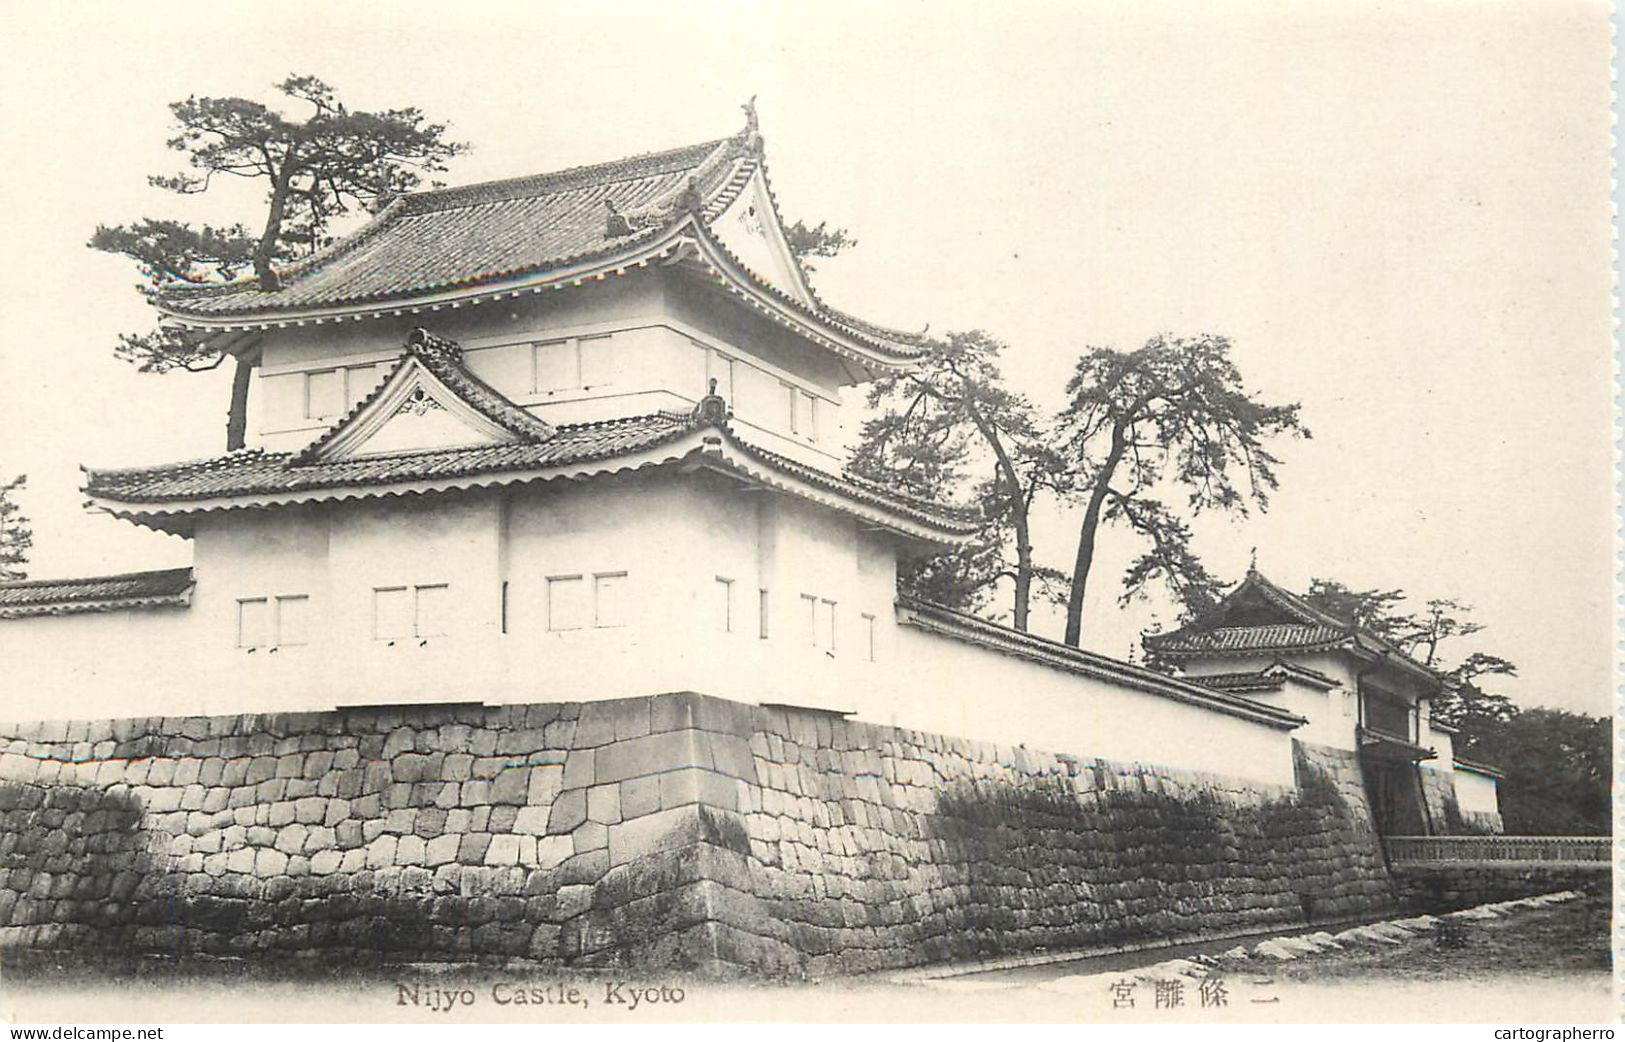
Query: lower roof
[[170, 497], [167, 587]]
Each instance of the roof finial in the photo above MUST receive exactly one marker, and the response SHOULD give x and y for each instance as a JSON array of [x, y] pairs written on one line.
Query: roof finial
[[616, 223], [711, 409], [1252, 565], [752, 134]]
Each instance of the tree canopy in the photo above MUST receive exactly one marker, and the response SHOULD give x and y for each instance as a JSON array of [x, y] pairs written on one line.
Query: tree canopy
[[1173, 414], [16, 538], [316, 169], [950, 427]]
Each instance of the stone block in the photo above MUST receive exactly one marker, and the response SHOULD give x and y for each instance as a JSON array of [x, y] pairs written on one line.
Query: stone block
[[650, 754], [410, 767], [544, 942], [457, 767], [441, 850], [512, 786], [410, 850], [504, 849], [604, 803], [545, 784], [664, 830], [291, 839], [571, 901], [568, 811], [471, 850], [731, 755], [589, 835], [552, 851], [579, 770], [583, 868], [269, 863], [595, 726], [639, 796]]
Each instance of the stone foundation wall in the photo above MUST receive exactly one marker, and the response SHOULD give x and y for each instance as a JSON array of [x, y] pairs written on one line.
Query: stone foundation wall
[[1444, 814], [674, 831], [1446, 888], [554, 832]]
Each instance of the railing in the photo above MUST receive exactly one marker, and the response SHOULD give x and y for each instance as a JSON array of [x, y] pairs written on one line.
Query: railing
[[1527, 850]]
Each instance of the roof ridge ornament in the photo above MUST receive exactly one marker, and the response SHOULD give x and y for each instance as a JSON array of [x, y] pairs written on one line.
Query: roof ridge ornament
[[425, 344], [751, 136], [711, 410]]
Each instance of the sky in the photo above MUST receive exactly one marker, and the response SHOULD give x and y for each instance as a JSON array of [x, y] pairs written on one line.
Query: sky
[[1398, 213]]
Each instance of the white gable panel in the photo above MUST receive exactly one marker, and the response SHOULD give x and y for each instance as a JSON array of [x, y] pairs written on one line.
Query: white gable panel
[[750, 230], [421, 429]]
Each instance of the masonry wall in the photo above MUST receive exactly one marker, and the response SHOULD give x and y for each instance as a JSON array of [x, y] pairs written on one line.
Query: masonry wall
[[676, 831], [1446, 888]]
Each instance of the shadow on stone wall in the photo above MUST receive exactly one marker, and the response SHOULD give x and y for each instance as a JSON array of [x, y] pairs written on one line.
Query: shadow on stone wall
[[666, 832]]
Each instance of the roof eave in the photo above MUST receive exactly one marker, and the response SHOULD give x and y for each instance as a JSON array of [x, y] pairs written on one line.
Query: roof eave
[[702, 447]]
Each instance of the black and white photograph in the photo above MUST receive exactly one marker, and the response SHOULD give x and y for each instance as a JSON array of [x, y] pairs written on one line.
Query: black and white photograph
[[1090, 512]]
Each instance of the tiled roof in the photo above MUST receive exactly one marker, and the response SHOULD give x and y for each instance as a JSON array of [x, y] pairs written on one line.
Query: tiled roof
[[1271, 678], [1234, 639], [1309, 629], [256, 471], [478, 242], [1256, 680], [169, 586], [438, 240]]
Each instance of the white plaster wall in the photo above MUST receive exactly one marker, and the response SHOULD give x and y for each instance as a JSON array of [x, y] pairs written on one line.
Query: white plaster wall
[[665, 344], [1476, 793], [672, 535], [945, 685], [100, 664]]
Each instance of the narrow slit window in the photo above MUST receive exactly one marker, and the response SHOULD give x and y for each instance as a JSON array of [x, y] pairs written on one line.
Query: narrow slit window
[[868, 637], [826, 625], [807, 415], [809, 618], [761, 614], [724, 594]]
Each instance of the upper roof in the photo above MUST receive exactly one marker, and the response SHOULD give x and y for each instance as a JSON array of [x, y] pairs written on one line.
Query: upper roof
[[166, 587], [457, 246], [450, 237], [1260, 616], [382, 448]]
